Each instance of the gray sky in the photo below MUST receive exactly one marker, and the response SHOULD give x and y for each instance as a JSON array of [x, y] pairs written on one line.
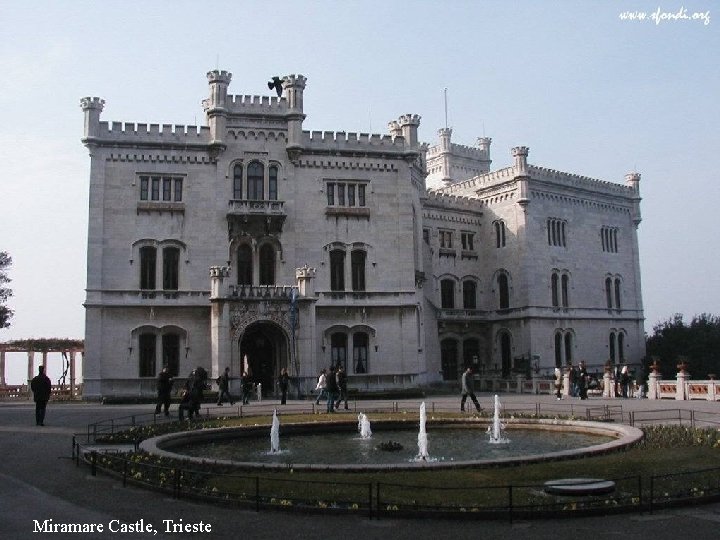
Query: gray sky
[[588, 92]]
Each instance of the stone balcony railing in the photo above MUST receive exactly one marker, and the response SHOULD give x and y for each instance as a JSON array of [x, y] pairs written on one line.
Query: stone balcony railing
[[261, 292]]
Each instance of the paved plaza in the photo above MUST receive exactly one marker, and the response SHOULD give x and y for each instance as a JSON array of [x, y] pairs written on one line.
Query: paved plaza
[[39, 481]]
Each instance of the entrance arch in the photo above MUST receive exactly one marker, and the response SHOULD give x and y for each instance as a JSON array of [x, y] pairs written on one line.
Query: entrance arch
[[266, 347]]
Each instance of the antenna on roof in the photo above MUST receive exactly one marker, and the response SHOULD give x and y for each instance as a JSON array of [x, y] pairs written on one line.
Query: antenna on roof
[[217, 61], [446, 121], [370, 117]]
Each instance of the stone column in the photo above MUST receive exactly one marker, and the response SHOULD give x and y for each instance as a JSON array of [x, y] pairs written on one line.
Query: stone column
[[2, 368], [520, 379], [31, 365], [44, 361], [608, 385], [566, 383], [682, 376], [72, 374], [653, 378]]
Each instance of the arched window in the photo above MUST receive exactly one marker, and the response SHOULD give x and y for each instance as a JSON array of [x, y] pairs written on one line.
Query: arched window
[[267, 265], [503, 291], [621, 346], [608, 292], [272, 182], [171, 353], [448, 359], [506, 353], [558, 349], [148, 256], [611, 346], [238, 181], [568, 348], [171, 266], [618, 304], [255, 181], [447, 294], [554, 289], [360, 352], [357, 267], [337, 270], [499, 233], [245, 265], [146, 346], [565, 280], [469, 296], [338, 350]]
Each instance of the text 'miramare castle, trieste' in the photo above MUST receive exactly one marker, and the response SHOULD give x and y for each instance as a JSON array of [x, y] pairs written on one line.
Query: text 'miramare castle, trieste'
[[253, 244]]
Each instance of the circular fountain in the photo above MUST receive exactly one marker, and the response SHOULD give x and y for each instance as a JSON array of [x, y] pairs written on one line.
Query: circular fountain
[[440, 443]]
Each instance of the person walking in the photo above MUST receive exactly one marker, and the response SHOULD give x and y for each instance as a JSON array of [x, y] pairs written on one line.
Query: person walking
[[468, 390], [283, 382], [342, 388], [321, 386], [331, 387], [246, 385], [624, 381], [582, 380], [41, 388], [164, 390], [223, 382], [558, 382]]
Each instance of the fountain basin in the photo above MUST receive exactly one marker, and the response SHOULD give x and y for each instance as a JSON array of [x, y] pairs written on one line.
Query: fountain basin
[[620, 436]]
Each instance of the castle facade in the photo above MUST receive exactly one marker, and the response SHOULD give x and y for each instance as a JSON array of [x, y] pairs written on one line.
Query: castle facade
[[253, 244]]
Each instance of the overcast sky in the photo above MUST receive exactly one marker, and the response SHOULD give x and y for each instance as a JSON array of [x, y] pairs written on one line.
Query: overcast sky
[[589, 92]]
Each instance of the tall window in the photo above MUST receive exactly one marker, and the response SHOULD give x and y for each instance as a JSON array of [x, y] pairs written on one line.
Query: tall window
[[568, 347], [608, 239], [238, 181], [338, 350], [506, 354], [446, 239], [469, 296], [360, 352], [499, 226], [558, 350], [621, 346], [147, 354], [255, 181], [161, 188], [611, 345], [171, 353], [556, 232], [447, 294], [337, 270], [618, 304], [245, 265], [563, 347], [564, 284], [348, 194], [503, 291], [171, 264], [467, 239], [357, 266], [554, 288], [267, 265], [148, 256], [272, 182], [608, 292]]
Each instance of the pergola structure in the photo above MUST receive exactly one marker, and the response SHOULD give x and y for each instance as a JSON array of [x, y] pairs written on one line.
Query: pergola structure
[[68, 347]]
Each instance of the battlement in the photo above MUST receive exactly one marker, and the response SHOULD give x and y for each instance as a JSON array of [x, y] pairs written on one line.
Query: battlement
[[442, 198], [88, 103], [294, 81], [576, 180], [459, 150], [480, 181], [152, 133], [217, 76], [409, 119], [251, 105], [352, 142]]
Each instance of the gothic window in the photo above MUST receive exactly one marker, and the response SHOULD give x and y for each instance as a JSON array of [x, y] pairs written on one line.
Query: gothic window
[[558, 349], [245, 265], [148, 255], [499, 226], [171, 266], [621, 347], [338, 349], [426, 236], [360, 352], [337, 270], [608, 238], [568, 347], [554, 289], [449, 359], [467, 239], [618, 304], [608, 292], [506, 354], [171, 353], [267, 265], [238, 182], [357, 267], [503, 291], [273, 183], [611, 345], [147, 354], [255, 181], [469, 295], [556, 232], [447, 294], [564, 284]]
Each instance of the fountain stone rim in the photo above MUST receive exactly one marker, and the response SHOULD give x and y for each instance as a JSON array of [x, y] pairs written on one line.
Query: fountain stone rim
[[624, 434]]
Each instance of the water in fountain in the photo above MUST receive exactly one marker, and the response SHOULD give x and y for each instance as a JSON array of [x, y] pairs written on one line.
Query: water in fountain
[[497, 428], [364, 426], [275, 434], [422, 436]]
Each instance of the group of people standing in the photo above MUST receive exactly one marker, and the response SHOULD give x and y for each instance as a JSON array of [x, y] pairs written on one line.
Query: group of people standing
[[578, 379], [332, 386]]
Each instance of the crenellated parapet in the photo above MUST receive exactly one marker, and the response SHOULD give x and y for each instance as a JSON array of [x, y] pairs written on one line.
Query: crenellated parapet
[[340, 141], [578, 181], [92, 107], [131, 134]]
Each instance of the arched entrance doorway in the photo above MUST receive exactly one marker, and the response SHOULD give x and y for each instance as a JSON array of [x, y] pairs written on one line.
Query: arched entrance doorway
[[266, 348]]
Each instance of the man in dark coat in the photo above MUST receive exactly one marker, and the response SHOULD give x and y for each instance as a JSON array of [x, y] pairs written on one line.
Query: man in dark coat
[[468, 390], [332, 390], [283, 383], [342, 387], [223, 382], [164, 389], [41, 387]]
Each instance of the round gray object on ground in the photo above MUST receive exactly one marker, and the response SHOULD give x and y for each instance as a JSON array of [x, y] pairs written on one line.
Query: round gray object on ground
[[579, 486]]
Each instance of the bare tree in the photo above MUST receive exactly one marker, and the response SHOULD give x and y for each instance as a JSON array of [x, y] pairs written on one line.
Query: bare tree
[[5, 312]]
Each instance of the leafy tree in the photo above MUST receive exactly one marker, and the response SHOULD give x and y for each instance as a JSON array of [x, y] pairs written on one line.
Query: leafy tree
[[5, 312], [699, 341]]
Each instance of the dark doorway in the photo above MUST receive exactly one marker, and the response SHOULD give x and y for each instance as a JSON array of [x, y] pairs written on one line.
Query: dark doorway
[[265, 346]]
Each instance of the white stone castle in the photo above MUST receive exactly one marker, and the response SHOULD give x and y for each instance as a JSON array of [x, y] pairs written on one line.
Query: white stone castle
[[253, 244]]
